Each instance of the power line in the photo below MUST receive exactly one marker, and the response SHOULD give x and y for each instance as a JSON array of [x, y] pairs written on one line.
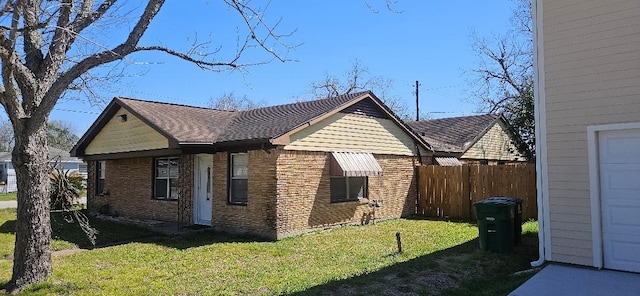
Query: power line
[[77, 111]]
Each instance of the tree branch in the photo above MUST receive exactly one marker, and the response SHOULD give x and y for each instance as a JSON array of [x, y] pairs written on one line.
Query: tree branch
[[32, 36], [250, 15], [101, 58]]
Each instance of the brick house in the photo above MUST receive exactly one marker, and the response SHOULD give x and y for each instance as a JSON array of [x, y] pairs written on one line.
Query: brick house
[[478, 139], [275, 171]]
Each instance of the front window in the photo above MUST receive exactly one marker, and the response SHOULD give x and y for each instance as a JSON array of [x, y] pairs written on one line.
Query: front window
[[348, 188], [100, 173], [166, 185], [238, 175]]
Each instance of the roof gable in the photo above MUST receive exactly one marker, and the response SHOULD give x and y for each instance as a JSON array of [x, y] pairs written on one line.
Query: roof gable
[[454, 134], [185, 125], [179, 124], [271, 122]]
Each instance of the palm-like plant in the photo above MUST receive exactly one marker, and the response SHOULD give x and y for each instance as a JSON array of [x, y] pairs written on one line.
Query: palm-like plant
[[64, 194], [65, 189]]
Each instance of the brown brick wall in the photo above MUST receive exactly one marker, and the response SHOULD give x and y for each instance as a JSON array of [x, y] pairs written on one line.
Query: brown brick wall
[[289, 193], [304, 201], [258, 216], [185, 202], [129, 183]]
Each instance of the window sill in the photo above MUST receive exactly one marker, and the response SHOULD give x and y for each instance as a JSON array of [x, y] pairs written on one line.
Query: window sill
[[362, 201], [236, 204], [164, 199]]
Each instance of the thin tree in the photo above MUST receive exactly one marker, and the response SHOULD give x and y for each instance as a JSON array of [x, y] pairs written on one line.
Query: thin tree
[[45, 50], [503, 80], [356, 79]]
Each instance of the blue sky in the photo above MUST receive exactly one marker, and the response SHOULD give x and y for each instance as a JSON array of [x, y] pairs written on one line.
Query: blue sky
[[428, 41]]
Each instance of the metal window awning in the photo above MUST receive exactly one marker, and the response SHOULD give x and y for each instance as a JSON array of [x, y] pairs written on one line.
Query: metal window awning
[[448, 161], [354, 164]]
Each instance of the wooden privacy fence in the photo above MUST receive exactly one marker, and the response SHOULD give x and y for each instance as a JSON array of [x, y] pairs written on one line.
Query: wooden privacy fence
[[450, 191]]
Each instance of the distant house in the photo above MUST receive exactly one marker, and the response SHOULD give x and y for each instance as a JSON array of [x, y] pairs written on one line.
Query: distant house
[[480, 139], [274, 171], [588, 121], [58, 158]]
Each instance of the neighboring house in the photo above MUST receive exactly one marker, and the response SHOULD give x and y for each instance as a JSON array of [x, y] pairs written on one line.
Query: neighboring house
[[480, 139], [588, 127], [58, 158], [274, 171]]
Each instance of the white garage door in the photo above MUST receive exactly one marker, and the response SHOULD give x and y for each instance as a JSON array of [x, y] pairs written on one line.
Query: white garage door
[[619, 153]]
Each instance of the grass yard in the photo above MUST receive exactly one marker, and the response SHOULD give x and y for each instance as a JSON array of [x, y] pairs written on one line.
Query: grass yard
[[8, 196], [439, 258], [13, 195]]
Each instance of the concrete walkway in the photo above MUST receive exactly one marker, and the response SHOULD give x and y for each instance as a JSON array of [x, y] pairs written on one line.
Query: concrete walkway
[[559, 279], [8, 204], [12, 204]]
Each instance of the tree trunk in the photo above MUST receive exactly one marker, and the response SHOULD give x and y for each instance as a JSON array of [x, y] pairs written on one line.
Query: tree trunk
[[32, 254]]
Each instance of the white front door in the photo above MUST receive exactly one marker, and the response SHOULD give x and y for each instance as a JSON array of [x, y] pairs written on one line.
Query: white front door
[[202, 191], [619, 160]]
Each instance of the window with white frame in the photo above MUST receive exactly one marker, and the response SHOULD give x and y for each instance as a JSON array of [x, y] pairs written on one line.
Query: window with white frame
[[166, 184], [238, 178], [348, 188], [100, 174]]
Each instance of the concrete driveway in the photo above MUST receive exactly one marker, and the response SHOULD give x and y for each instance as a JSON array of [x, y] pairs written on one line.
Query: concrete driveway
[[560, 279]]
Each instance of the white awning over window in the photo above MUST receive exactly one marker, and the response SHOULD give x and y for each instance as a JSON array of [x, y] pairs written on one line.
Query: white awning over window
[[354, 164], [448, 161]]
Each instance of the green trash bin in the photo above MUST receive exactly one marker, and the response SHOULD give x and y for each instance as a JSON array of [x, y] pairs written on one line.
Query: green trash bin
[[517, 217], [495, 224]]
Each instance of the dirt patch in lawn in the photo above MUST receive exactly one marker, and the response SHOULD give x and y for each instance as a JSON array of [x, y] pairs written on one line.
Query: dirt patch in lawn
[[435, 274]]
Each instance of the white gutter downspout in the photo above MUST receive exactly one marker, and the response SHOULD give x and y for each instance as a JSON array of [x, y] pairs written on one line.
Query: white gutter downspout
[[541, 136]]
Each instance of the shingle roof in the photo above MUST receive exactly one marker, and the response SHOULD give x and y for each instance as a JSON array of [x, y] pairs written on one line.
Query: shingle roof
[[453, 134], [183, 123], [270, 122], [187, 125]]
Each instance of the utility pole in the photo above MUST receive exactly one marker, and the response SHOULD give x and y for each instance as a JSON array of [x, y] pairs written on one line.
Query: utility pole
[[417, 102]]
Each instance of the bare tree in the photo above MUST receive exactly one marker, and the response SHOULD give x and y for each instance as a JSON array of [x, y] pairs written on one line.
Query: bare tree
[[503, 80], [356, 79], [60, 134], [6, 136], [43, 55], [231, 102]]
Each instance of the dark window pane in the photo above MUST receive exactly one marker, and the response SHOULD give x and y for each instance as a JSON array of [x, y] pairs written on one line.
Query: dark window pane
[[100, 177], [100, 186], [239, 191], [161, 188], [357, 187], [338, 188]]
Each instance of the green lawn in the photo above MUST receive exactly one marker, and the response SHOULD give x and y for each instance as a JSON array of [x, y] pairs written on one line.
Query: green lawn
[[13, 195], [7, 196], [439, 258]]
